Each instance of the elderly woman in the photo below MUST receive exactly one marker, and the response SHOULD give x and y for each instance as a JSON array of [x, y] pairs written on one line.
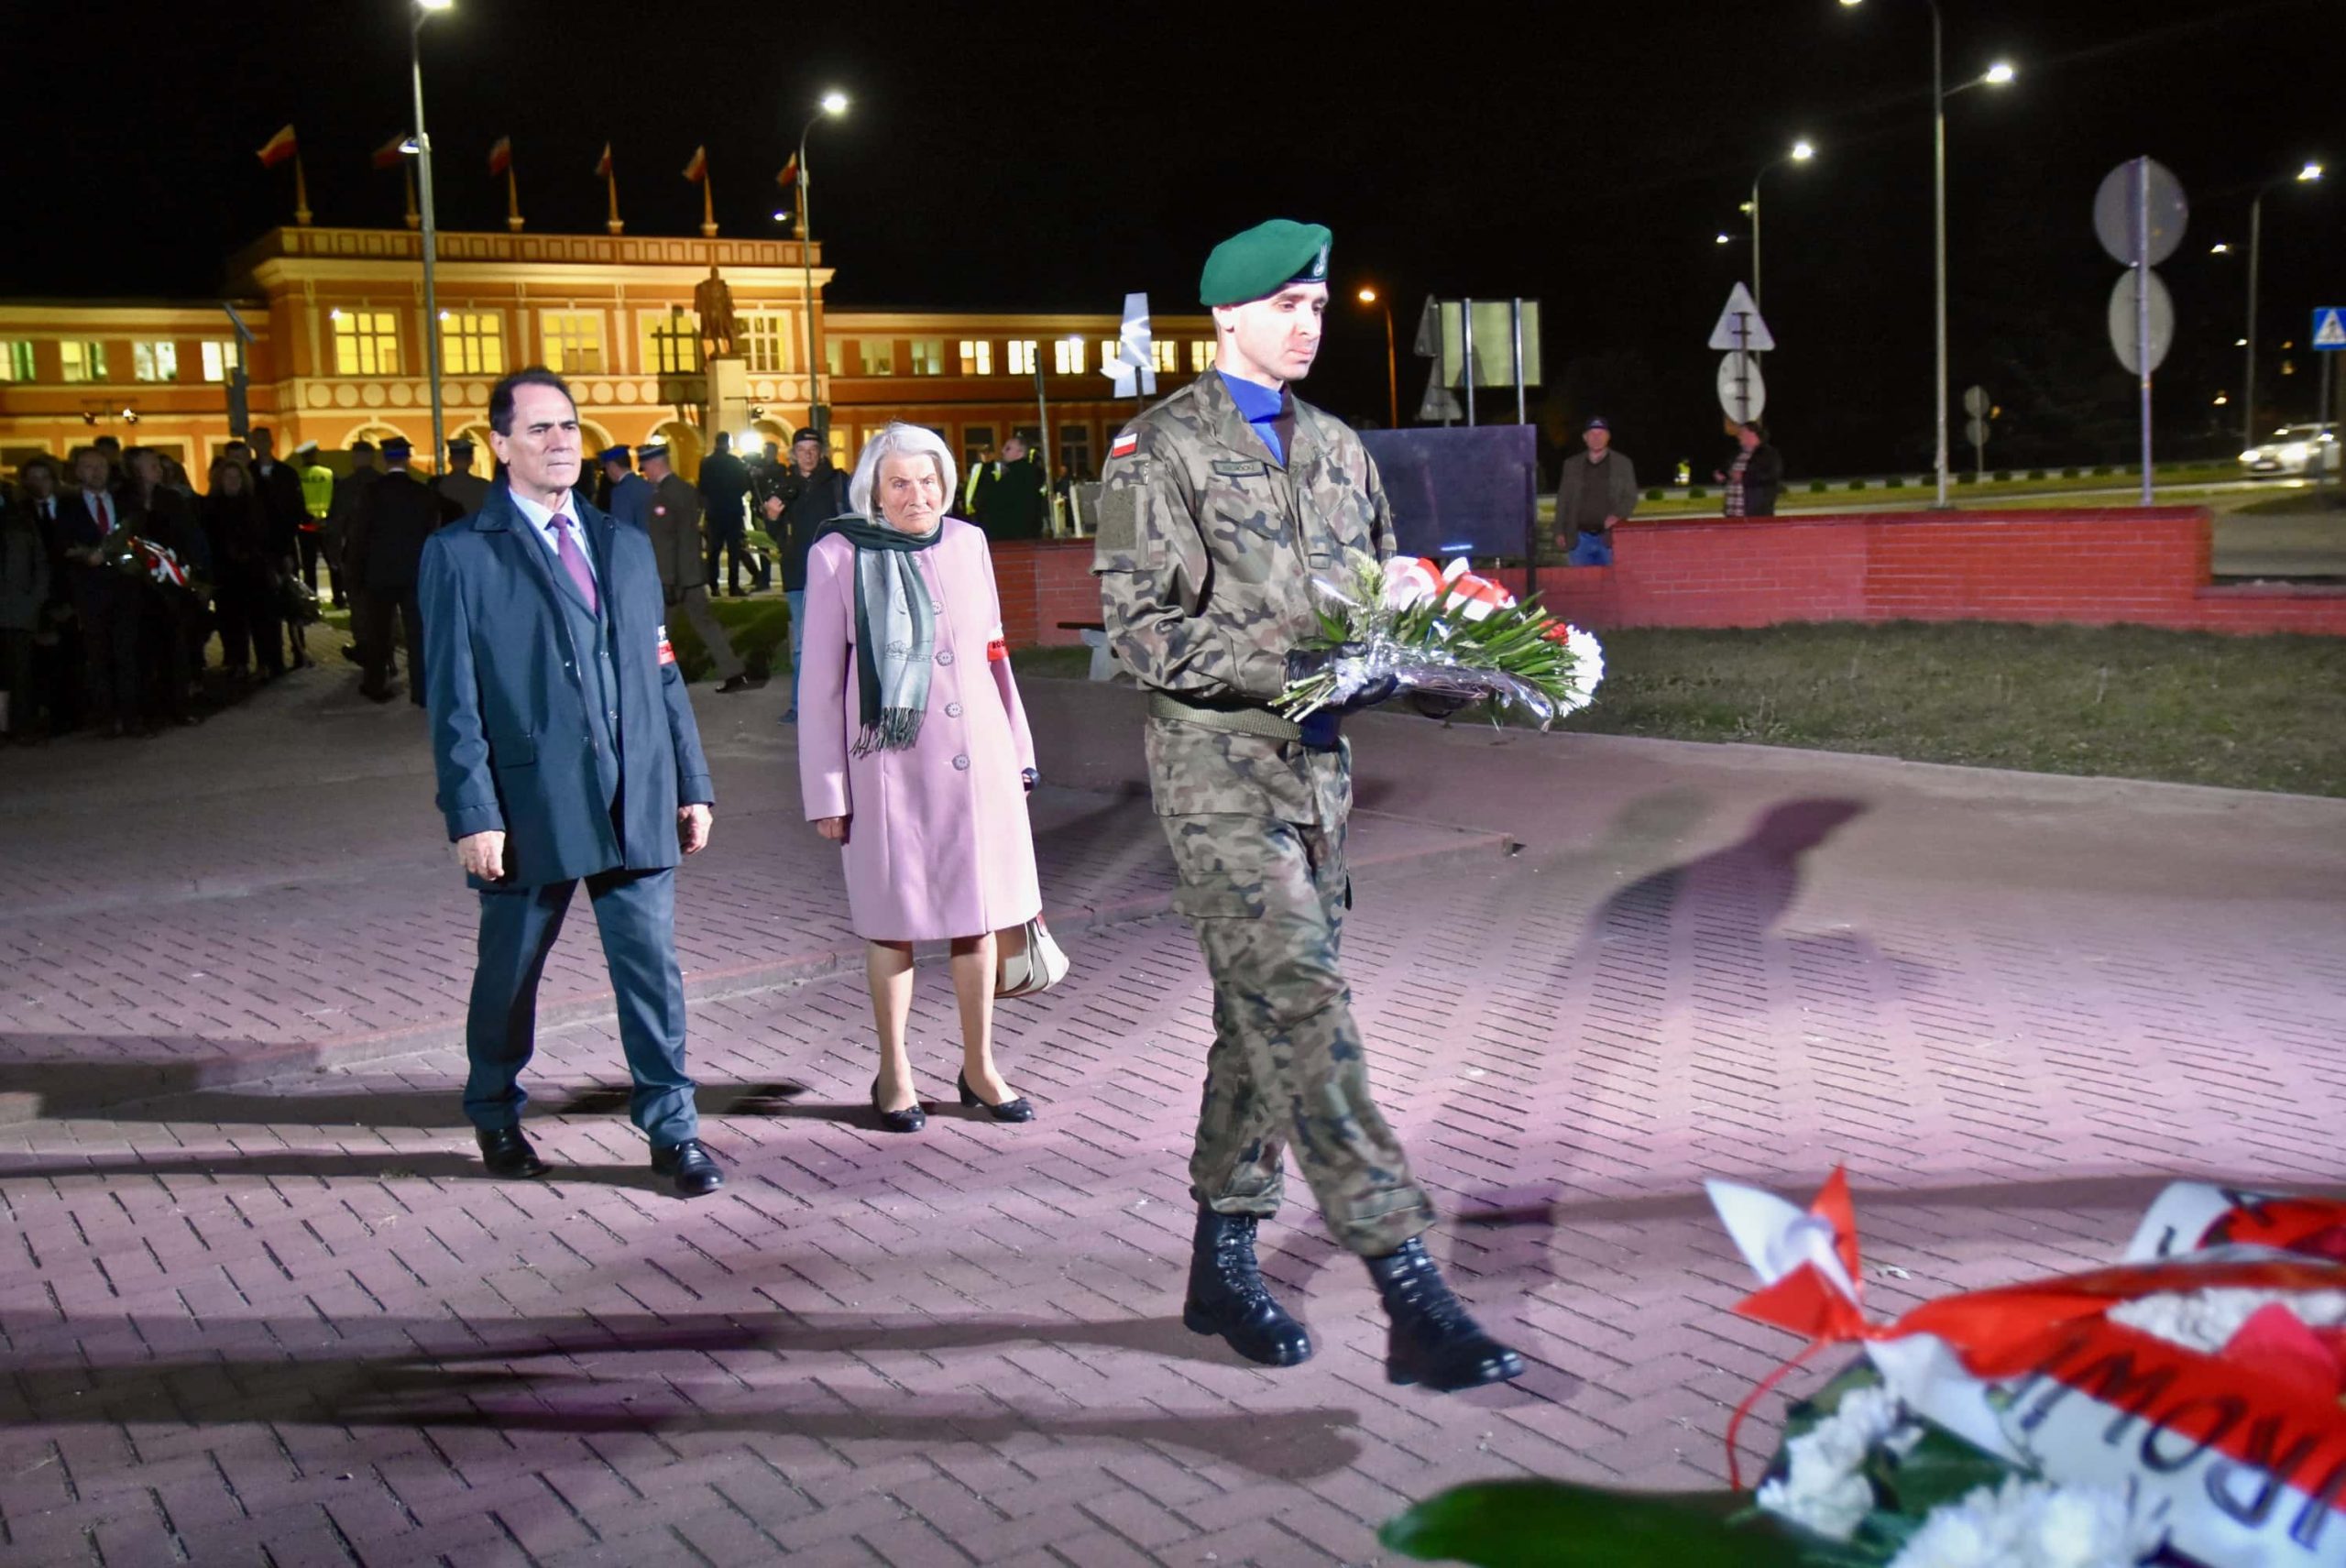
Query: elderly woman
[[914, 753]]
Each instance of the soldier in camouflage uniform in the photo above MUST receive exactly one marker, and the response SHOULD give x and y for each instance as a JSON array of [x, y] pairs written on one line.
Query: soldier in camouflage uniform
[[1218, 506]]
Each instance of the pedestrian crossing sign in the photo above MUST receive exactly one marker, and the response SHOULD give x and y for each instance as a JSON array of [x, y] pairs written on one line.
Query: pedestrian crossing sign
[[2329, 327]]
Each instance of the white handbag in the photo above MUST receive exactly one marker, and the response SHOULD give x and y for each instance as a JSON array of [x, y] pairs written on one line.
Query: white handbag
[[1026, 961]]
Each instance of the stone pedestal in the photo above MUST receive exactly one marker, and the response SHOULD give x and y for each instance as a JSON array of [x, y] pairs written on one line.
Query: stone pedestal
[[728, 407]]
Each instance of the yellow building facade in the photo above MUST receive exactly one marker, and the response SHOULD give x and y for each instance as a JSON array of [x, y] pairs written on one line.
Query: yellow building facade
[[338, 352]]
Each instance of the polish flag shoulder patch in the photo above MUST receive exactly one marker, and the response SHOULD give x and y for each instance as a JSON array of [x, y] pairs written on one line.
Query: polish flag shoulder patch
[[667, 654], [1125, 444], [997, 651]]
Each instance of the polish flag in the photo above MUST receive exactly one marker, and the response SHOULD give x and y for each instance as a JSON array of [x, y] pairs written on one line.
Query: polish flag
[[789, 175], [697, 169], [501, 156], [603, 164], [387, 156], [277, 148]]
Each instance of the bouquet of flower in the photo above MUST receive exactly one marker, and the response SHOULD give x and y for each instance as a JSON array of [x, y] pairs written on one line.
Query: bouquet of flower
[[2183, 1407], [1446, 633], [141, 557]]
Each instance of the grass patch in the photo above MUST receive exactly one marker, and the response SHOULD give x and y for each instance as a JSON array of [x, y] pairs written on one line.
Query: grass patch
[[2127, 702], [758, 630], [1053, 664], [2328, 500]]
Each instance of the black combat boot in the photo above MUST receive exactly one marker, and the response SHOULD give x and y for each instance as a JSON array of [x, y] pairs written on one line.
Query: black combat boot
[[1434, 1341], [1227, 1296]]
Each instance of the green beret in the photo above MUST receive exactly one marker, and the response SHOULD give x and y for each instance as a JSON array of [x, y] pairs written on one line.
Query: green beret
[[1262, 260]]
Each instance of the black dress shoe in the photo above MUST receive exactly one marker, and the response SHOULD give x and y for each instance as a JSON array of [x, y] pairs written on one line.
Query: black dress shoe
[[689, 1165], [1434, 1341], [1227, 1296], [911, 1119], [508, 1155], [1018, 1110]]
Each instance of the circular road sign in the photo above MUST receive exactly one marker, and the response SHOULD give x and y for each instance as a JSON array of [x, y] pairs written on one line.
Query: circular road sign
[[2113, 211], [2121, 321]]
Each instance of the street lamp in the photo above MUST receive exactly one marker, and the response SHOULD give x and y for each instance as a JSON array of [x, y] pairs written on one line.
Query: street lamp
[[1801, 153], [1997, 75], [430, 243], [2307, 175], [1392, 373], [834, 103]]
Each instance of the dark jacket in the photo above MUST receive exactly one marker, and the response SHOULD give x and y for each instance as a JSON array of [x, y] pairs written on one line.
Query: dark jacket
[[1010, 501], [1764, 477], [1620, 491], [724, 494], [510, 741], [282, 507], [24, 571], [236, 532], [389, 524], [674, 527], [808, 501], [166, 518]]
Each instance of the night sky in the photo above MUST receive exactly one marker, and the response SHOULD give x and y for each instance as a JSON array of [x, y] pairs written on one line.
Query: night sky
[[1040, 157]]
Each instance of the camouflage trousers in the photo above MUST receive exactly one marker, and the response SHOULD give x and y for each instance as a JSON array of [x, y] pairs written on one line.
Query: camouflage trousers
[[1268, 898]]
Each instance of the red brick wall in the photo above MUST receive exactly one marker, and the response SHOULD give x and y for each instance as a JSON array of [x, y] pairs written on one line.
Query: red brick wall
[[2147, 566], [2094, 565]]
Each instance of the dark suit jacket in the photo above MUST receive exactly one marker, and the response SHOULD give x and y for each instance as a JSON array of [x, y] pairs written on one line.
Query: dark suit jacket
[[724, 489], [281, 503], [392, 519], [509, 734]]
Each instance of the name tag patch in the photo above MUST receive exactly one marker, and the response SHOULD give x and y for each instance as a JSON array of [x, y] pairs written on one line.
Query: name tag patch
[[1238, 468]]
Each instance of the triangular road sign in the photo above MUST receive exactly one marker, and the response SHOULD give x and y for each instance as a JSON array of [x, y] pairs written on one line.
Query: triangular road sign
[[1740, 327], [2330, 328]]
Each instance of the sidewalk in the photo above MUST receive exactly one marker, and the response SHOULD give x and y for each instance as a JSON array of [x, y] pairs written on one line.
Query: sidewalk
[[285, 1316]]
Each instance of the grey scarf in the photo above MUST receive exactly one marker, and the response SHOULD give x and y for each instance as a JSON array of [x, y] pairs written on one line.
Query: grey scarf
[[896, 631]]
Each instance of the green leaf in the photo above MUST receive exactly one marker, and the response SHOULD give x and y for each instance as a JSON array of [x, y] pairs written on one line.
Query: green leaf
[[1939, 1469], [1554, 1524]]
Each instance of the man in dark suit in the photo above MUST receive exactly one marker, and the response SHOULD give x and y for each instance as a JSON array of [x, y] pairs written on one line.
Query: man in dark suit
[[725, 499], [672, 517], [380, 556], [567, 752], [347, 491]]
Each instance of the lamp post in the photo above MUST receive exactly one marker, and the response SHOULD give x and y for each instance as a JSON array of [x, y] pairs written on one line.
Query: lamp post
[[2306, 176], [1801, 153], [834, 103], [424, 8], [1392, 372], [1997, 75]]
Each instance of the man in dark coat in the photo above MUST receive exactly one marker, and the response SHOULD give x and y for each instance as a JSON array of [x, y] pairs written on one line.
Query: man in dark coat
[[566, 752], [1011, 499], [672, 518], [462, 491], [725, 495], [810, 494], [381, 555]]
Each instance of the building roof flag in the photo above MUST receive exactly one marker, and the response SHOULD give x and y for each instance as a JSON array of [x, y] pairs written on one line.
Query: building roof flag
[[500, 154], [277, 148], [697, 169], [603, 164], [387, 156], [789, 175]]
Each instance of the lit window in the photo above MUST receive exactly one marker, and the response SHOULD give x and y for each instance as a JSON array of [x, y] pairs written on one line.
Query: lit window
[[977, 357], [472, 342], [573, 341], [928, 356], [1022, 356], [1067, 356], [84, 361], [154, 361], [672, 344], [1108, 347], [1201, 354], [219, 359], [831, 359], [975, 438], [879, 357], [766, 342], [365, 343], [1169, 355], [17, 364]]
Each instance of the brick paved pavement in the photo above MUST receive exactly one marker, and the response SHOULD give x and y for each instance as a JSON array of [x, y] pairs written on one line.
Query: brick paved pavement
[[283, 1322]]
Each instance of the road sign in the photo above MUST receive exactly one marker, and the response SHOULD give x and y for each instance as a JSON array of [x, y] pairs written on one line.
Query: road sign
[[1975, 431], [1740, 327], [2113, 211], [2329, 327], [2122, 323], [1742, 393], [1975, 401], [1438, 402]]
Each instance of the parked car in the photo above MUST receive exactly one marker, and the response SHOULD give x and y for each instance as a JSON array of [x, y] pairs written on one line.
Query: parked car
[[2292, 451]]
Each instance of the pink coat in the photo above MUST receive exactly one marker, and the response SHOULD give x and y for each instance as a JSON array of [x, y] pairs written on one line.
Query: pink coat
[[938, 844]]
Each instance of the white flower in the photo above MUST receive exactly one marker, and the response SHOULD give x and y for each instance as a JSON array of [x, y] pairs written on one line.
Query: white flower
[[1823, 1489], [2032, 1524], [1589, 667], [2205, 1321], [1411, 581]]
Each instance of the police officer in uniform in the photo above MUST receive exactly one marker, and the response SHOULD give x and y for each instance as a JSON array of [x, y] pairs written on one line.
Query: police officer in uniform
[[630, 494], [673, 518], [1218, 505], [462, 491], [381, 554]]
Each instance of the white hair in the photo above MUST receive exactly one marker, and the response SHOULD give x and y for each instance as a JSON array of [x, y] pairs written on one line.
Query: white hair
[[899, 440]]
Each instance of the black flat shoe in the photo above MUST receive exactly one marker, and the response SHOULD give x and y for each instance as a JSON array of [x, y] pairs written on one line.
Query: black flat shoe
[[911, 1119], [689, 1165], [507, 1155], [1018, 1110]]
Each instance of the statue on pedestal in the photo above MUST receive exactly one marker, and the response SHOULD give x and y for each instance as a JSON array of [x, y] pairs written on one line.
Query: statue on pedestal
[[714, 301]]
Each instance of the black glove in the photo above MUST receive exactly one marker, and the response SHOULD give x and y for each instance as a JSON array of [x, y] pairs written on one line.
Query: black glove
[[1435, 705], [1302, 663], [1031, 778]]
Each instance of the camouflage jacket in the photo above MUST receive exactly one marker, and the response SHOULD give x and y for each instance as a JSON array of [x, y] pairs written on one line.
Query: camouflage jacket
[[1206, 551]]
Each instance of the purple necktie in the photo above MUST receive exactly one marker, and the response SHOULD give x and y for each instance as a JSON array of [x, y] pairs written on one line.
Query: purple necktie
[[574, 561]]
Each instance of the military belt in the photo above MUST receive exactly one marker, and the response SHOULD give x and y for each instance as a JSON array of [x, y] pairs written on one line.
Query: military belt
[[1260, 721]]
